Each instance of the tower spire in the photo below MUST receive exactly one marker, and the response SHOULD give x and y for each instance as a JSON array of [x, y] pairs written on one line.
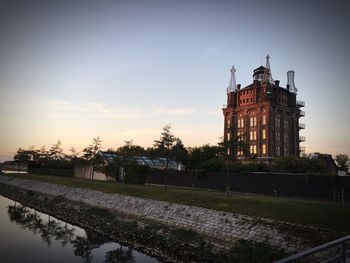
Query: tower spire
[[268, 74], [232, 84]]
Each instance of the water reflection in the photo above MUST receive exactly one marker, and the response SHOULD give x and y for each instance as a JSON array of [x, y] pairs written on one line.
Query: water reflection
[[83, 243], [119, 255], [48, 229]]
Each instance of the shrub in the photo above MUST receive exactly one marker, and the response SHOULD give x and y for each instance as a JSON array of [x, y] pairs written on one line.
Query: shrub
[[296, 164], [136, 174]]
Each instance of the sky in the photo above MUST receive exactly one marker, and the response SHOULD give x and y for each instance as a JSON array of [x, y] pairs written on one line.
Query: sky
[[121, 70]]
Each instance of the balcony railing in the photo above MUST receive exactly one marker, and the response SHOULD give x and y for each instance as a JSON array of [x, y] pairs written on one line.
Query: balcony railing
[[302, 113], [301, 139], [301, 126], [300, 103], [302, 149]]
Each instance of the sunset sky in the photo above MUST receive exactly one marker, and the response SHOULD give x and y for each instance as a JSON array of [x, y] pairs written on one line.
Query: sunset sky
[[121, 70]]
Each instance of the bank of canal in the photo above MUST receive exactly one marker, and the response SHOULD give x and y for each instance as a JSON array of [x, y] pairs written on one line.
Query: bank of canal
[[164, 242], [27, 235]]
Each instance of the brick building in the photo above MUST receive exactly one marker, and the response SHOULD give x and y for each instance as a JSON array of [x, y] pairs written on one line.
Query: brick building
[[262, 119]]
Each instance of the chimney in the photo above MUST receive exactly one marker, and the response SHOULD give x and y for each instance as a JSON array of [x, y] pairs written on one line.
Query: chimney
[[238, 86], [277, 83], [290, 81]]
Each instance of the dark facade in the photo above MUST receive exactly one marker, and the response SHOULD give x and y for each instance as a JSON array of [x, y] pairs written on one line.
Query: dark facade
[[262, 119]]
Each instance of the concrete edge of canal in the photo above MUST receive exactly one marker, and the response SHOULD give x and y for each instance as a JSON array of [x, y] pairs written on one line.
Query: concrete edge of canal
[[213, 232]]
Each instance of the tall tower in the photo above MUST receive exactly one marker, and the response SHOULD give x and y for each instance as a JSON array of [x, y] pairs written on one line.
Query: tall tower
[[263, 116]]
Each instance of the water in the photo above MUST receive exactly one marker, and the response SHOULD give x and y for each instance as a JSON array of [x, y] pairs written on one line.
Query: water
[[27, 235]]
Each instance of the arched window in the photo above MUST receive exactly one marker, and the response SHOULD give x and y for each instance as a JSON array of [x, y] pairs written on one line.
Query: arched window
[[252, 119]]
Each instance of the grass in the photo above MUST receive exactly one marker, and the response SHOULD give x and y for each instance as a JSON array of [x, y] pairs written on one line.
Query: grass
[[314, 213]]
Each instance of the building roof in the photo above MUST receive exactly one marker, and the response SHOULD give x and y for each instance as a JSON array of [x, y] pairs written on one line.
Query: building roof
[[259, 68], [108, 158]]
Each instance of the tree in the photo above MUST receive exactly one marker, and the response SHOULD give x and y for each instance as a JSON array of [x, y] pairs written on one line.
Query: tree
[[179, 151], [228, 152], [343, 162], [166, 141], [202, 157], [56, 152], [163, 147], [130, 149], [90, 153], [73, 154], [43, 154], [21, 157]]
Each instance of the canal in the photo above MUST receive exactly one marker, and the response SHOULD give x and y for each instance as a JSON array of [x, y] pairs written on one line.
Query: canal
[[27, 235]]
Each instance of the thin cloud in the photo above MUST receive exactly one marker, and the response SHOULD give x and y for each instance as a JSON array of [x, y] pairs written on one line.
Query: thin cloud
[[98, 110], [173, 111], [212, 113], [92, 109]]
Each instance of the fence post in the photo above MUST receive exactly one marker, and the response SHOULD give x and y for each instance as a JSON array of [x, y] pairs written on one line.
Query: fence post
[[275, 193]]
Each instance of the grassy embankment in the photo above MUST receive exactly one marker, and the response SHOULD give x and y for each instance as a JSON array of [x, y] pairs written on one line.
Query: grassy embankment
[[314, 213]]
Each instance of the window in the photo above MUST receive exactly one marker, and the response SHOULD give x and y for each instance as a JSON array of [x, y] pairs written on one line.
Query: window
[[252, 136], [240, 136], [264, 149], [228, 151], [278, 121], [228, 136], [239, 123], [263, 134], [253, 149], [264, 120], [278, 136], [285, 151], [239, 152], [286, 124], [252, 121], [278, 150], [228, 123]]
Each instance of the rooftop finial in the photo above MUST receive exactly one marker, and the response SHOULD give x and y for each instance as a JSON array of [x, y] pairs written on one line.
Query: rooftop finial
[[267, 66], [232, 84]]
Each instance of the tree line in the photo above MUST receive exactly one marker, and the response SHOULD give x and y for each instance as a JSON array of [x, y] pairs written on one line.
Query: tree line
[[206, 157]]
